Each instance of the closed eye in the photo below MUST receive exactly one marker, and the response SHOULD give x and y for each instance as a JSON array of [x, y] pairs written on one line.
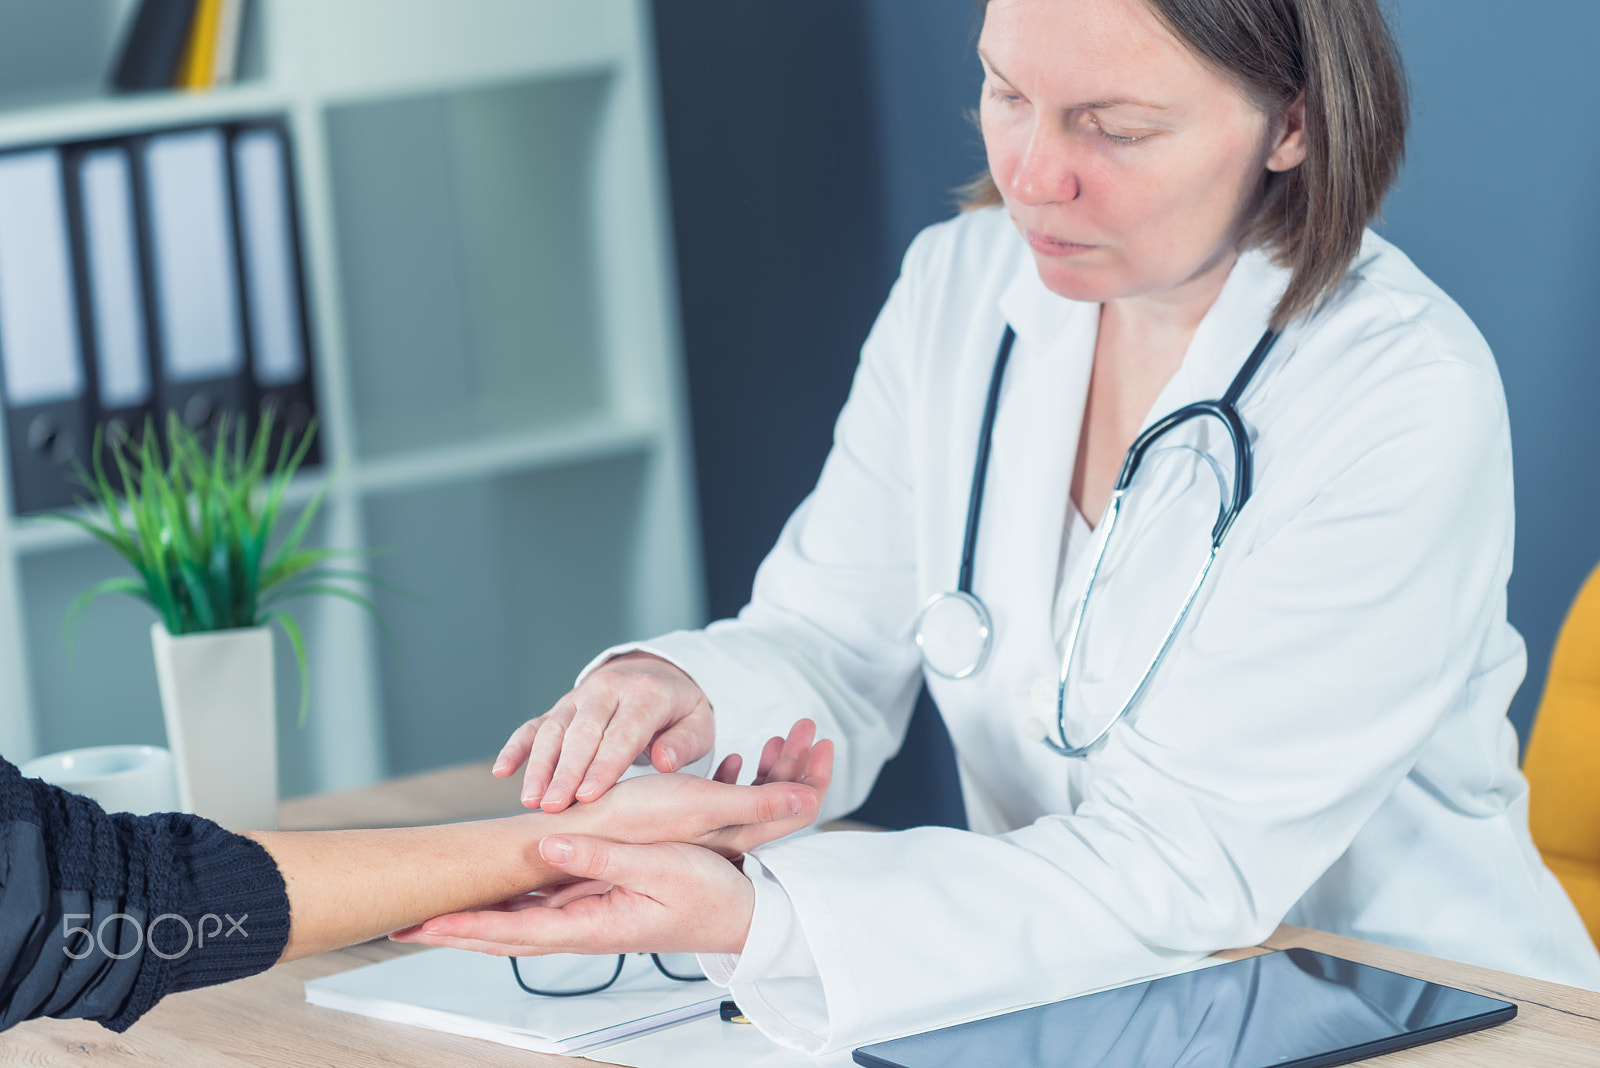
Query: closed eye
[[1116, 139]]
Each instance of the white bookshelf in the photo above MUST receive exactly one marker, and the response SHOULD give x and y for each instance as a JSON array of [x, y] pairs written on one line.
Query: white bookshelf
[[481, 190]]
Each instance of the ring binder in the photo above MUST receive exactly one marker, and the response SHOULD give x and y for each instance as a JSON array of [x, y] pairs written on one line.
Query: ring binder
[[116, 328], [274, 290], [143, 275], [47, 407], [193, 267]]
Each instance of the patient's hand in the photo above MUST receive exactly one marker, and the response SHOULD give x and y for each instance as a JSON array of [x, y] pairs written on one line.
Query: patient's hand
[[790, 783], [651, 892]]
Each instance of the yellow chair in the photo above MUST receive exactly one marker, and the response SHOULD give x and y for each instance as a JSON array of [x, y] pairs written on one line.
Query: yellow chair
[[1563, 761]]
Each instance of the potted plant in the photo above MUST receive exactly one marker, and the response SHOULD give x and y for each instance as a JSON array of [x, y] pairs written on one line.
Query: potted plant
[[198, 523]]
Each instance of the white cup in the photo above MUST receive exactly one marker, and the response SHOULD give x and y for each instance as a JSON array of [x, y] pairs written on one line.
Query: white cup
[[122, 778]]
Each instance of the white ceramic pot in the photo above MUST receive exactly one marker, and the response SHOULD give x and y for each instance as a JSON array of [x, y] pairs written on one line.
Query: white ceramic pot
[[221, 713]]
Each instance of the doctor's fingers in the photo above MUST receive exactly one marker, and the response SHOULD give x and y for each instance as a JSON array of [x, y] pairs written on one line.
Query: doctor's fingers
[[658, 899], [530, 933], [561, 896], [429, 931], [471, 931], [603, 861], [686, 739], [474, 945], [645, 878], [595, 704], [542, 748], [645, 707], [517, 747]]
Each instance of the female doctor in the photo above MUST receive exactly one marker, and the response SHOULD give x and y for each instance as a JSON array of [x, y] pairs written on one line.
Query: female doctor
[[1175, 212]]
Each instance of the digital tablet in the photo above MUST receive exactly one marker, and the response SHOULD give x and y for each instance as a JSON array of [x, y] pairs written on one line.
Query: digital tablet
[[1295, 1008]]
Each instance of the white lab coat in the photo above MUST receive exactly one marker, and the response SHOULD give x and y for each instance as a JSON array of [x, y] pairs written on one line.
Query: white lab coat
[[1325, 743]]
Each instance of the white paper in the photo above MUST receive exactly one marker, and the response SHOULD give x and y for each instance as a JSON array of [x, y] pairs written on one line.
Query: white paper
[[709, 1042], [475, 995]]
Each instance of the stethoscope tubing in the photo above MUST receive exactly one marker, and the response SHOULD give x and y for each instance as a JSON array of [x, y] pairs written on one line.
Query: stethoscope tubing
[[980, 471], [1225, 410]]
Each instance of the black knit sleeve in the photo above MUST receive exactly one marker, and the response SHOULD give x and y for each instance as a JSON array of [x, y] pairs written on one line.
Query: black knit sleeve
[[102, 915]]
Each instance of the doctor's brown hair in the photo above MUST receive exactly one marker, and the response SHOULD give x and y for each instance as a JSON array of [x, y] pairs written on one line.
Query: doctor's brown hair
[[1342, 56]]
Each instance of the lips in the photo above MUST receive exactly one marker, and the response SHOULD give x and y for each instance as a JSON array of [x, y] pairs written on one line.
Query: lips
[[1052, 246]]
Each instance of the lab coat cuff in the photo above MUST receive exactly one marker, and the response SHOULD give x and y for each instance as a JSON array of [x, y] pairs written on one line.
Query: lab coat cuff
[[624, 649], [776, 968], [719, 967]]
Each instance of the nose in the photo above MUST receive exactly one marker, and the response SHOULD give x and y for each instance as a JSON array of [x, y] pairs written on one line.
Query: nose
[[1047, 172]]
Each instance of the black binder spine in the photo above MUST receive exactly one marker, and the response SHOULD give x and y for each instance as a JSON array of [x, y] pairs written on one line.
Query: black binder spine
[[77, 232]]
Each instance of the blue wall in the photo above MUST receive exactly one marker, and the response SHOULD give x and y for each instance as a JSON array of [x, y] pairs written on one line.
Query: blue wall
[[925, 75], [1500, 204], [809, 140]]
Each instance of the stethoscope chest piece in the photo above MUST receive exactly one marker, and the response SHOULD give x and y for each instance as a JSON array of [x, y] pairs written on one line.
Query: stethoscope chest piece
[[954, 633]]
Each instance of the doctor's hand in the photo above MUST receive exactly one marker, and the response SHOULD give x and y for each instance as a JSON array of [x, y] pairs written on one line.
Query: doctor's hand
[[580, 748], [665, 898], [791, 781]]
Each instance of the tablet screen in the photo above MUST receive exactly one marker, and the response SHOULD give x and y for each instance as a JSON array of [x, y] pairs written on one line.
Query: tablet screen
[[1294, 1008]]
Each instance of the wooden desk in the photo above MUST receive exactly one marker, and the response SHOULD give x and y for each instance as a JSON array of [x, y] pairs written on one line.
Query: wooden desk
[[264, 1022]]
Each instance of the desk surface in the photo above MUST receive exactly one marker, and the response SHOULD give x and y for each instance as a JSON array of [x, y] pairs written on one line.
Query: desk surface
[[264, 1021]]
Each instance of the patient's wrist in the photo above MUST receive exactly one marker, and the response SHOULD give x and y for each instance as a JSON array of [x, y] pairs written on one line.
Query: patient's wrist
[[524, 832]]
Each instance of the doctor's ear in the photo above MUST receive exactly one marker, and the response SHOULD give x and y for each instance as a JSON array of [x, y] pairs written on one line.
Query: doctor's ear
[[1289, 148]]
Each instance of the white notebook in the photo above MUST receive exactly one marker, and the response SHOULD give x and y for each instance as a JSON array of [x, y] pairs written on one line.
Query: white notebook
[[474, 995]]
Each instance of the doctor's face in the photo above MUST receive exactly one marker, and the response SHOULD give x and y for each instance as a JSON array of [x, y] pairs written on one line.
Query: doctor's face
[[1128, 165]]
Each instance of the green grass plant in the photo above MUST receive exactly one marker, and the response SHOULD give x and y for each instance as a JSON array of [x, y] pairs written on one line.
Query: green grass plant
[[197, 521]]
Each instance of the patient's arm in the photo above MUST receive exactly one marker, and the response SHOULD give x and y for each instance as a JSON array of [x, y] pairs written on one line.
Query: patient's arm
[[120, 910], [350, 886]]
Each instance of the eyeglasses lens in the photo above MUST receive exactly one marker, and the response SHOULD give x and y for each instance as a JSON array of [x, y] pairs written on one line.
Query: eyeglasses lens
[[681, 966], [566, 974]]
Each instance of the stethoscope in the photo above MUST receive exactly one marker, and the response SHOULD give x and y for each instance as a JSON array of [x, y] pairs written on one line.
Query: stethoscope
[[954, 629]]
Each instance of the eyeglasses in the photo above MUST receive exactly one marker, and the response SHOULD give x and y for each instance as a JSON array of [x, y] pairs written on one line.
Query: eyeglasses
[[568, 975]]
